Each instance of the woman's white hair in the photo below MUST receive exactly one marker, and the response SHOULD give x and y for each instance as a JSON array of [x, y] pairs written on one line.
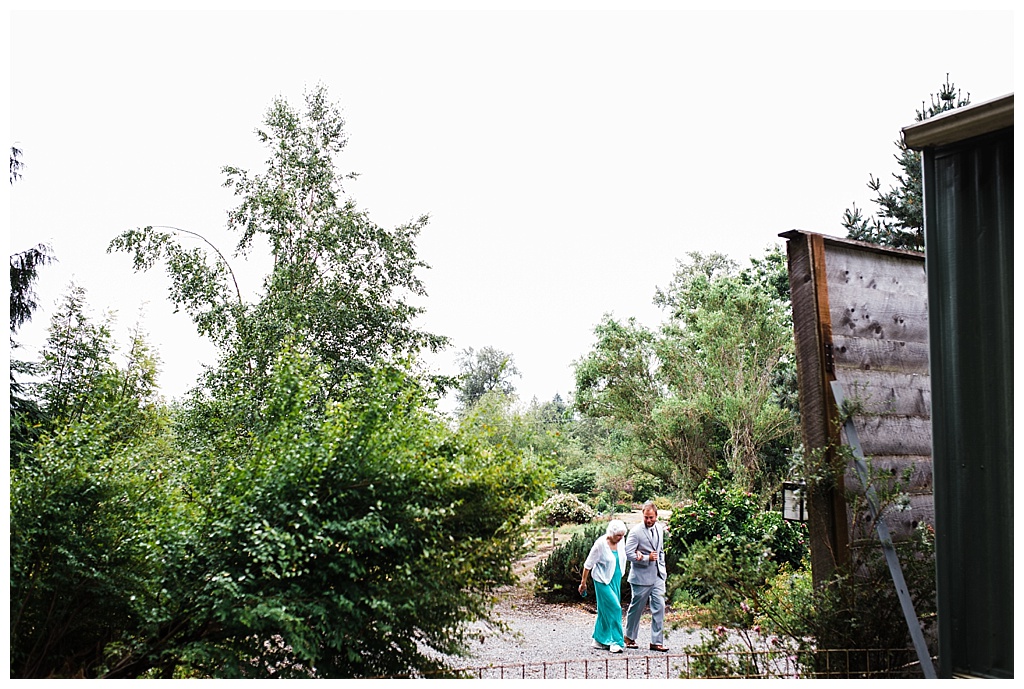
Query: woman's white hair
[[616, 527]]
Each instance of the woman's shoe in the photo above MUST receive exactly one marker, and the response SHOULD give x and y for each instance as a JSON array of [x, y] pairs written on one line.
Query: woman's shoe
[[596, 644], [615, 648]]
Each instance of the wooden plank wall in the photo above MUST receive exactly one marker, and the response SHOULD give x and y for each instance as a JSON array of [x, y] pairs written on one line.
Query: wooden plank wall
[[879, 308], [860, 316]]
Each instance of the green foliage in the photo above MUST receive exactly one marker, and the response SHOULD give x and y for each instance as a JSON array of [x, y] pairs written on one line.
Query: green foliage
[[558, 575], [377, 515], [542, 431], [741, 591], [338, 281], [91, 503], [745, 653], [489, 370], [900, 220], [24, 274], [754, 603], [857, 607], [581, 481], [311, 514], [854, 611], [725, 537], [728, 334], [862, 610], [327, 518], [26, 416], [565, 508], [646, 487], [704, 391], [85, 555], [495, 417]]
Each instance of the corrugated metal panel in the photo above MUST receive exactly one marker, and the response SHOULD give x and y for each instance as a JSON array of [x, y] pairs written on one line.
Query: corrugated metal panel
[[969, 261]]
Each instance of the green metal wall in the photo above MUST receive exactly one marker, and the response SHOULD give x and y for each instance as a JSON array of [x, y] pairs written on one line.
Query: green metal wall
[[969, 260]]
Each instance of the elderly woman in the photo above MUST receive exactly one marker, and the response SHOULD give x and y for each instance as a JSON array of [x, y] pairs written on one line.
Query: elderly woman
[[606, 563]]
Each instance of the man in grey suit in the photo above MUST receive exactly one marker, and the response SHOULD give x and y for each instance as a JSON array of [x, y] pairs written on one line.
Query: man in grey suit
[[645, 548]]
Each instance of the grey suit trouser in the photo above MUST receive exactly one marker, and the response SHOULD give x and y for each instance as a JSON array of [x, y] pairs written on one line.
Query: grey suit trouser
[[653, 595]]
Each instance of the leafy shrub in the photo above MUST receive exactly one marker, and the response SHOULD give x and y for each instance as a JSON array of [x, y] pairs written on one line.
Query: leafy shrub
[[558, 576], [581, 481], [724, 529], [621, 507], [566, 508], [731, 518], [89, 529], [663, 503], [862, 610], [740, 594], [326, 516], [646, 487]]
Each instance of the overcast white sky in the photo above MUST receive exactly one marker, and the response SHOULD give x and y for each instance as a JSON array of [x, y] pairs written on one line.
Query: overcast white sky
[[567, 159]]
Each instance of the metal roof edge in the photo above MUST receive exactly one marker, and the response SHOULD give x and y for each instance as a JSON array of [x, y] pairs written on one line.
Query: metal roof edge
[[960, 123]]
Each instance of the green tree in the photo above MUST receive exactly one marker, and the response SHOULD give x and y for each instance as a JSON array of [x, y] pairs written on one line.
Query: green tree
[[88, 500], [899, 222], [77, 362], [482, 372], [619, 383], [328, 522], [88, 517], [339, 281], [725, 338], [703, 390], [25, 413], [26, 416], [353, 542], [24, 274]]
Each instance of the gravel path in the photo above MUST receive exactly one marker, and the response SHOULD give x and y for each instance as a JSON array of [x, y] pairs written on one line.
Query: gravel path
[[550, 640], [560, 635]]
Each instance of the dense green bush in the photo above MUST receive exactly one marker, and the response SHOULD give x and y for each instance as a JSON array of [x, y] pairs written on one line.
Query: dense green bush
[[729, 517], [580, 481], [646, 487], [558, 576], [727, 525], [359, 541], [90, 528], [311, 513], [565, 508]]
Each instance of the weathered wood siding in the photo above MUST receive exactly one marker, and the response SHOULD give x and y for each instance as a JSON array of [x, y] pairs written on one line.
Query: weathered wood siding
[[860, 316]]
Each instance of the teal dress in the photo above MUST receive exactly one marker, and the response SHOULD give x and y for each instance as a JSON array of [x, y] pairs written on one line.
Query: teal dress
[[608, 627]]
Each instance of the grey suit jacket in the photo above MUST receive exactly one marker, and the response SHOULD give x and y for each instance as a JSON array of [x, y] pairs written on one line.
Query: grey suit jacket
[[645, 572]]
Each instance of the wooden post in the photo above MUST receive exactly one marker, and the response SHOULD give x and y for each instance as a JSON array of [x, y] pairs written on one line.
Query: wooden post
[[812, 325]]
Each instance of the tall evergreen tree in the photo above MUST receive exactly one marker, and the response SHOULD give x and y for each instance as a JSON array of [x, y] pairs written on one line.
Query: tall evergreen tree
[[26, 415], [899, 222]]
